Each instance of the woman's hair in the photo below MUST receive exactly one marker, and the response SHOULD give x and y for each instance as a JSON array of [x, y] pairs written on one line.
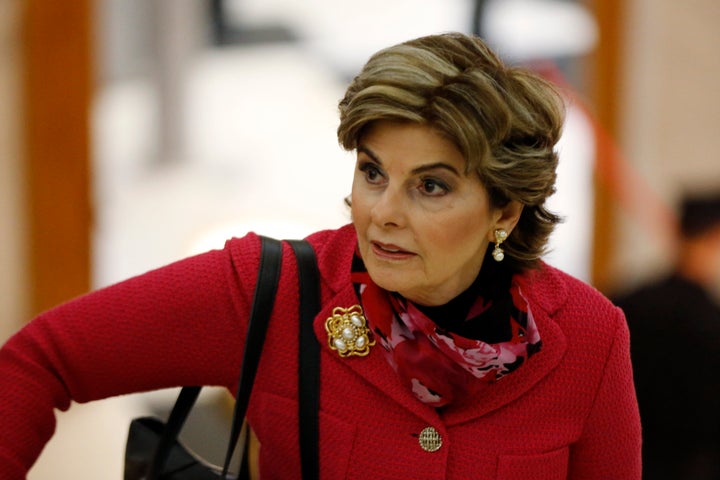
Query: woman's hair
[[505, 121]]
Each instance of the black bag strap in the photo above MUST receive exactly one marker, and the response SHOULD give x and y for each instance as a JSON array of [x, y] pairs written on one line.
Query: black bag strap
[[308, 360], [268, 277]]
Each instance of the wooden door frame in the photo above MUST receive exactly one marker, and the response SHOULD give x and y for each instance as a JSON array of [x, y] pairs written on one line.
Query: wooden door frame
[[605, 80], [58, 83]]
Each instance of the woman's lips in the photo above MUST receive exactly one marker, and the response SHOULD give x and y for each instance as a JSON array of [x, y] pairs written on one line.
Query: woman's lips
[[390, 251]]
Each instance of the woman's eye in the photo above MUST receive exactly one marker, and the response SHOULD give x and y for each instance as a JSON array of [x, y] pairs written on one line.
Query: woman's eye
[[372, 173], [433, 187]]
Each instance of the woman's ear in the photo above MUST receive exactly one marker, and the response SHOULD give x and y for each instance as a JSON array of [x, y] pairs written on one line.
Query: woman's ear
[[508, 217]]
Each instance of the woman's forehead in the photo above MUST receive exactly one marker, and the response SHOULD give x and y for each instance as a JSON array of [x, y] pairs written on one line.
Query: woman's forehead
[[420, 142]]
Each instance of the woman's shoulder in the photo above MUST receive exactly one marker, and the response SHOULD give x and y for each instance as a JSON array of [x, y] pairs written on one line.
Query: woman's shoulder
[[590, 326], [335, 242], [571, 301], [333, 248], [319, 239]]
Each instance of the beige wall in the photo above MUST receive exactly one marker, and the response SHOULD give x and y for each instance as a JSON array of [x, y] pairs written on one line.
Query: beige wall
[[670, 118], [12, 226]]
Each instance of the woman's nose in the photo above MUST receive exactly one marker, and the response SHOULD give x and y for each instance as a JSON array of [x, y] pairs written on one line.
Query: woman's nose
[[390, 209]]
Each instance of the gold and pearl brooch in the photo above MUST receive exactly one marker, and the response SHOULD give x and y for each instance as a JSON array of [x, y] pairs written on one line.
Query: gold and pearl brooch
[[348, 333]]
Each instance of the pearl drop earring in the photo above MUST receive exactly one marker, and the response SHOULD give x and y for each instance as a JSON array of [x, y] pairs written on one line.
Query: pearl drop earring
[[500, 236]]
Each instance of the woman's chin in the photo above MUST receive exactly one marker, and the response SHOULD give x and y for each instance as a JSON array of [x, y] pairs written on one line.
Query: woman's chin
[[391, 279]]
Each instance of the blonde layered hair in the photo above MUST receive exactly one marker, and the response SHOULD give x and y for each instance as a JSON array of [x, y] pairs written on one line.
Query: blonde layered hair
[[505, 121]]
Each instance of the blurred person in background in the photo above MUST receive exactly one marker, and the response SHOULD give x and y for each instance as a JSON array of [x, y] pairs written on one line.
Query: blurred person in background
[[467, 356], [675, 345]]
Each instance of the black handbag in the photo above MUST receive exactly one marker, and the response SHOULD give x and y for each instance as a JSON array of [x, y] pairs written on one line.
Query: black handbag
[[153, 450]]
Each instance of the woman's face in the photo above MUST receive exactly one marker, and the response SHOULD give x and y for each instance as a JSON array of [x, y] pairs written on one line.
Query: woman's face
[[423, 225]]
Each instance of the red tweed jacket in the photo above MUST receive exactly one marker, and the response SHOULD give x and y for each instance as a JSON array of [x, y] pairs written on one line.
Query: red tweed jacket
[[569, 413]]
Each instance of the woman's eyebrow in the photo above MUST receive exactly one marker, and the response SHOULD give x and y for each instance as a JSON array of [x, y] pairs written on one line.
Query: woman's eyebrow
[[369, 153], [433, 166], [416, 170]]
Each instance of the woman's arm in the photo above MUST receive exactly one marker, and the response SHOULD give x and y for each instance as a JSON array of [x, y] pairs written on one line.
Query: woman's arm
[[165, 328]]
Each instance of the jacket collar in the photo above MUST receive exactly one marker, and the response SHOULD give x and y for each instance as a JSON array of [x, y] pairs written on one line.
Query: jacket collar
[[545, 291]]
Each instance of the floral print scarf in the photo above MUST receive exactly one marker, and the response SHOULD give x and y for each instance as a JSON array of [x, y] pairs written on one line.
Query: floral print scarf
[[436, 364]]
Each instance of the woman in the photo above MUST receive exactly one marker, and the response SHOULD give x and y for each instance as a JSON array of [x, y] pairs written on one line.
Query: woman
[[479, 360]]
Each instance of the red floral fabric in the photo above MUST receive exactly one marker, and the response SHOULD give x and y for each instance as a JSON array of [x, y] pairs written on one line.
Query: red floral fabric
[[436, 364]]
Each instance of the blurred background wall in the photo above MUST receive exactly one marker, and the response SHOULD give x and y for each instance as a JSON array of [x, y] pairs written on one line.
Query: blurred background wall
[[668, 119], [133, 133]]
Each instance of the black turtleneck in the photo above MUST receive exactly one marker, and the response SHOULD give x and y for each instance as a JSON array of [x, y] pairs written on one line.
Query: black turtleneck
[[492, 326]]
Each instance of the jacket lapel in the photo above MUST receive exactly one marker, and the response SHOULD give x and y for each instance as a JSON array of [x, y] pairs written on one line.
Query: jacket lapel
[[373, 368], [517, 383], [546, 292]]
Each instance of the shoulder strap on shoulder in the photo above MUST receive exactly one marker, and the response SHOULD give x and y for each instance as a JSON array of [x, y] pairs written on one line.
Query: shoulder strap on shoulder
[[263, 301], [308, 360]]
